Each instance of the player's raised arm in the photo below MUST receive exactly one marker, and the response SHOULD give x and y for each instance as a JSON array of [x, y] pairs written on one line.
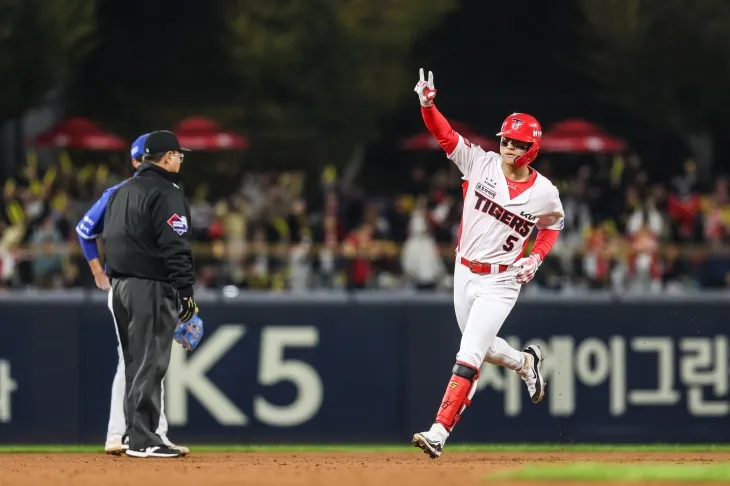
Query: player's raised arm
[[456, 147]]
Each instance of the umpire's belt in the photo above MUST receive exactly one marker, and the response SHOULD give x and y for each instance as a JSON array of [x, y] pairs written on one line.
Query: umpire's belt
[[479, 267]]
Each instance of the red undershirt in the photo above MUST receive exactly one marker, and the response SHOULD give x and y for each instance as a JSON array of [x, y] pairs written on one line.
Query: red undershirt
[[449, 139]]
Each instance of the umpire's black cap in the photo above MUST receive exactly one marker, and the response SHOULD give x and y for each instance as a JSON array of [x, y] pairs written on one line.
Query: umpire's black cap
[[162, 141]]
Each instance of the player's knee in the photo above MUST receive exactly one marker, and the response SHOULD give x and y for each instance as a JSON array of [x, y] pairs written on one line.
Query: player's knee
[[492, 348], [472, 359]]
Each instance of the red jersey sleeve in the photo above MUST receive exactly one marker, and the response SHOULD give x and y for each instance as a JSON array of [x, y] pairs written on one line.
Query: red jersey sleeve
[[440, 128], [461, 152], [544, 242]]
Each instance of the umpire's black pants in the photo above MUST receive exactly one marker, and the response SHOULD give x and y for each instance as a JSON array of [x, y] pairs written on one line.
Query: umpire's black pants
[[145, 313]]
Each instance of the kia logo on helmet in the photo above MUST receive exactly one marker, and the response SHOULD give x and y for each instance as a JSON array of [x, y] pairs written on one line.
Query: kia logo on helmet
[[536, 133], [516, 123]]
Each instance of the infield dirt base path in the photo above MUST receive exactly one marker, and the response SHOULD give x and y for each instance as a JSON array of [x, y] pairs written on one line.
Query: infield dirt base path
[[280, 469]]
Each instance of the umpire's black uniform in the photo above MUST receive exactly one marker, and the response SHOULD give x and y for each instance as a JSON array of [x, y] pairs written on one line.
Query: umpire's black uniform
[[149, 260]]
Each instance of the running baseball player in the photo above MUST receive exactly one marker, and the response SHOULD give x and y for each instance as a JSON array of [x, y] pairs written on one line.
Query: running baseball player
[[504, 200], [89, 229]]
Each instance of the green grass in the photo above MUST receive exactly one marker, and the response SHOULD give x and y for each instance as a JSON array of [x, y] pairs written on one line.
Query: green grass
[[588, 471], [60, 448]]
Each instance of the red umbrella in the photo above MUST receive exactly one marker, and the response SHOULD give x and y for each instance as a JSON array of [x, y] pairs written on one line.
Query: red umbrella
[[425, 141], [579, 136], [200, 133], [78, 133]]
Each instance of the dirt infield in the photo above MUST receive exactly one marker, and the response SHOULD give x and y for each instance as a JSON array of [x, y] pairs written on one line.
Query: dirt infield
[[351, 469]]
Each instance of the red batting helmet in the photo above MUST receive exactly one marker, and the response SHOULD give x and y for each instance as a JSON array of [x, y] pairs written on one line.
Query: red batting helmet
[[525, 128]]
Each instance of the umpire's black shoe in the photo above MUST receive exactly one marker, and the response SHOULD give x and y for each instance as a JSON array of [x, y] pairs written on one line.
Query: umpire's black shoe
[[161, 451]]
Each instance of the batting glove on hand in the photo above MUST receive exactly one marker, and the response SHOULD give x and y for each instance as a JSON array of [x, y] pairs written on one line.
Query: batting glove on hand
[[189, 334], [189, 308], [425, 89], [528, 267]]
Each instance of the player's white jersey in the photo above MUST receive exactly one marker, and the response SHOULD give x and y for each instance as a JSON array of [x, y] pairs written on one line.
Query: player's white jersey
[[494, 228]]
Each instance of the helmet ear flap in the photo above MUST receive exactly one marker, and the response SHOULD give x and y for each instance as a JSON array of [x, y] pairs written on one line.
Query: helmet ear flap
[[529, 156]]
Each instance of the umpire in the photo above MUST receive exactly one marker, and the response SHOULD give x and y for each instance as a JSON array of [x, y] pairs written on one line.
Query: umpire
[[149, 261]]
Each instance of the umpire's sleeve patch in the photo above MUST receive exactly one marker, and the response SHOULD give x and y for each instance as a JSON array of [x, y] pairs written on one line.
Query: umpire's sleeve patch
[[179, 224]]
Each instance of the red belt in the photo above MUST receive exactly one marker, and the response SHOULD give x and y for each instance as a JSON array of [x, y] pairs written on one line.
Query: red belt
[[478, 267]]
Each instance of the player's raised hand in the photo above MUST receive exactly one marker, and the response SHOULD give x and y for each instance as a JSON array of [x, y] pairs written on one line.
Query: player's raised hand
[[425, 89], [528, 267]]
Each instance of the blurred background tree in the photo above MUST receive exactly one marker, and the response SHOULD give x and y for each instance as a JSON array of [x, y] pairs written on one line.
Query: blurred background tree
[[664, 61], [42, 43], [156, 62], [304, 64]]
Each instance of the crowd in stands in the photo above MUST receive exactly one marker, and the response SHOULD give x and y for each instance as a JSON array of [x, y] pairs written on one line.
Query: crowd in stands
[[294, 232]]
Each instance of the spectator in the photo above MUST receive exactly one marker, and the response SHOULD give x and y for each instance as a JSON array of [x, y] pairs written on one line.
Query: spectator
[[261, 265], [201, 214], [645, 217], [684, 206], [676, 270], [47, 264], [13, 220], [8, 258], [643, 267], [398, 216], [716, 219], [421, 262], [300, 266], [598, 256], [578, 218], [359, 249], [443, 216]]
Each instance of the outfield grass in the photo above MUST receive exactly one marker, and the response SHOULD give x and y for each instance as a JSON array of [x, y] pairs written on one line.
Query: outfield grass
[[61, 448], [587, 471]]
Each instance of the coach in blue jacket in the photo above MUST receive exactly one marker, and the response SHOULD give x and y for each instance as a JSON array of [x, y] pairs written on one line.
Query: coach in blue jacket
[[89, 229]]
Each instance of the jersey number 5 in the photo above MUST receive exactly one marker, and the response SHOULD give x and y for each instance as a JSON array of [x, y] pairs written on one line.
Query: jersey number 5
[[510, 243]]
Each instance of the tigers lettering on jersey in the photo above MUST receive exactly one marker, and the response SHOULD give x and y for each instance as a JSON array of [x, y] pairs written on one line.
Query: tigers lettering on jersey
[[495, 226], [521, 226]]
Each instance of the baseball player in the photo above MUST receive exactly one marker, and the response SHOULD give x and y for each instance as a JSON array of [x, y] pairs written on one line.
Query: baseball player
[[504, 200], [89, 229]]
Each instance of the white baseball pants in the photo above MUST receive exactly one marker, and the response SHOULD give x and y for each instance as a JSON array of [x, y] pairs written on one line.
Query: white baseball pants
[[482, 303]]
